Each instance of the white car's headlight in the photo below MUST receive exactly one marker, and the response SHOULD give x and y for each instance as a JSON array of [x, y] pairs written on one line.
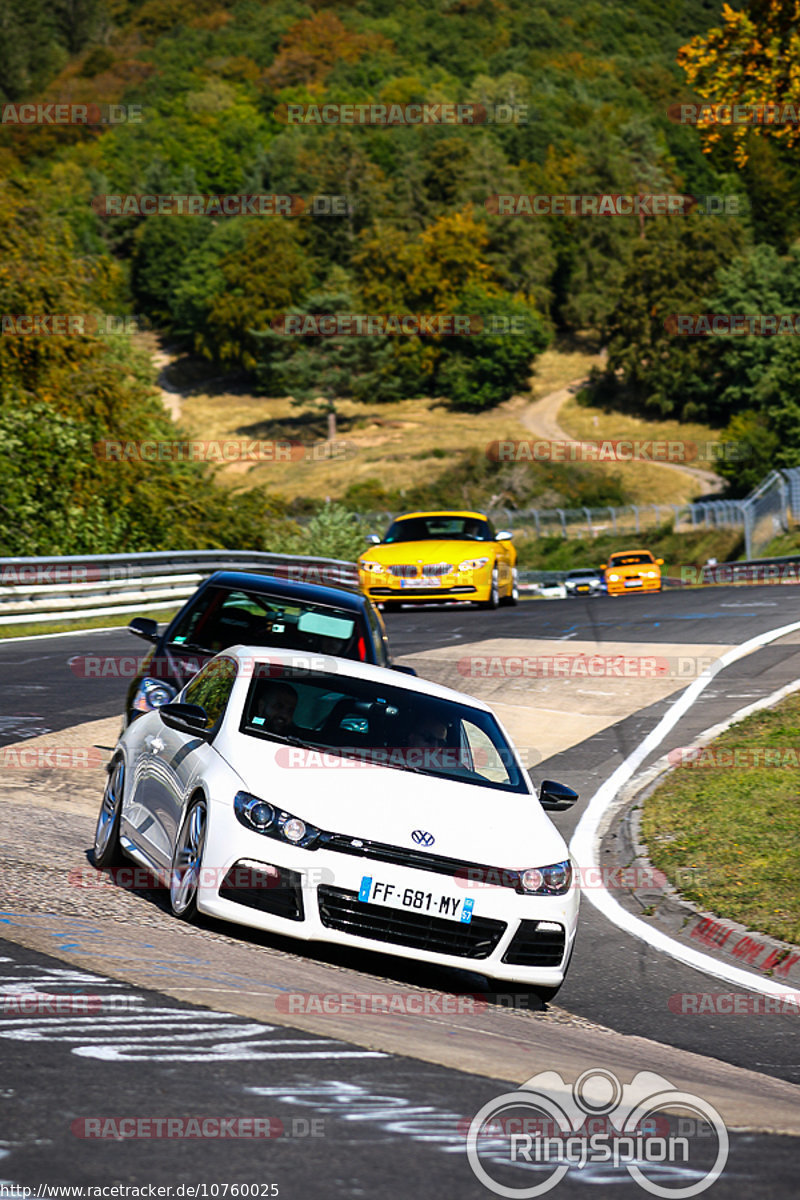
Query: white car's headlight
[[257, 815], [374, 567], [553, 880], [472, 564], [152, 693]]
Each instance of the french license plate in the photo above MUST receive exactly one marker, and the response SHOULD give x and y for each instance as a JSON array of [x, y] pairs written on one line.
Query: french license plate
[[420, 583], [431, 904], [633, 583]]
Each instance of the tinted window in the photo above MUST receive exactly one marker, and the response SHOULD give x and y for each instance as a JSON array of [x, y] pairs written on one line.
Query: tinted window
[[381, 725], [211, 688], [221, 618], [421, 529]]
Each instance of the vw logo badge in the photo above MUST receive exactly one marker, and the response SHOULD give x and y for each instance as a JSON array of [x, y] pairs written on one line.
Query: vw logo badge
[[422, 838]]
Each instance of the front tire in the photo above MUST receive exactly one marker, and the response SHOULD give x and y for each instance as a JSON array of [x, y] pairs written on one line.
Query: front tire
[[494, 593], [107, 850], [513, 595], [187, 861]]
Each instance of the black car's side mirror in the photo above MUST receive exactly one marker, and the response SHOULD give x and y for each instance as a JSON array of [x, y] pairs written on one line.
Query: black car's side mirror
[[144, 627], [556, 796], [186, 718]]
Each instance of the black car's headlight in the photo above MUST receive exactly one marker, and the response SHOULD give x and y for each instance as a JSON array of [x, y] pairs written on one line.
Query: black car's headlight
[[152, 693], [553, 880], [259, 816]]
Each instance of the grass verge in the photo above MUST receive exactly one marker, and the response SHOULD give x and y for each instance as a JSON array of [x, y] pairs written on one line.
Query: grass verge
[[730, 823]]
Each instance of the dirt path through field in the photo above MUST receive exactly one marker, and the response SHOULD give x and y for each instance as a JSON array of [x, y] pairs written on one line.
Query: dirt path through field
[[541, 418]]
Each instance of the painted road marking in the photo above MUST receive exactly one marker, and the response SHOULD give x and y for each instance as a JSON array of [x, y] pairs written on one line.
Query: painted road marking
[[585, 842], [154, 1033]]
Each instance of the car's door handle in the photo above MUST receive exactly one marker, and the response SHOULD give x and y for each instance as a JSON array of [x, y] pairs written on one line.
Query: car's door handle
[[154, 743]]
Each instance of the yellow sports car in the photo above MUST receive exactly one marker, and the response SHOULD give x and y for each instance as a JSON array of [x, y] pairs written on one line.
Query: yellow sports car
[[440, 556], [632, 571]]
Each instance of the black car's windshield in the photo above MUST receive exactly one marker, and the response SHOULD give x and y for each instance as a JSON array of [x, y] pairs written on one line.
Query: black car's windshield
[[222, 618], [377, 725], [423, 529]]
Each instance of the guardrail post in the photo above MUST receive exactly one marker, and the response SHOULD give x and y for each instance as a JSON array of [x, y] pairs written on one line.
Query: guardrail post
[[588, 512], [613, 512], [562, 515]]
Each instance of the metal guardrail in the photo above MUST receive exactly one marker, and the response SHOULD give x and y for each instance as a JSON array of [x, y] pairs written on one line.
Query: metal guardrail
[[42, 590], [39, 590]]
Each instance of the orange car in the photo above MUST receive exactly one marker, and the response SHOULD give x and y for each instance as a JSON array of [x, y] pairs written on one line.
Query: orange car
[[632, 571], [440, 556]]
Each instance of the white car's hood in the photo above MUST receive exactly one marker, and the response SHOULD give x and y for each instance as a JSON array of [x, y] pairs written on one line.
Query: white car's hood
[[387, 804]]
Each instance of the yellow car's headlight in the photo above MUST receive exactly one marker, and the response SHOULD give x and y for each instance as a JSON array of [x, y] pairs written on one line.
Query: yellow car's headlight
[[613, 577], [374, 567], [472, 564]]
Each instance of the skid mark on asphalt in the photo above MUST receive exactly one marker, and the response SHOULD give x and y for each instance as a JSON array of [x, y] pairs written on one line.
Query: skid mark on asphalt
[[148, 1032]]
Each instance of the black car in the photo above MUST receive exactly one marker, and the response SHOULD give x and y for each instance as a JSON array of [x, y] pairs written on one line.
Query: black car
[[234, 607]]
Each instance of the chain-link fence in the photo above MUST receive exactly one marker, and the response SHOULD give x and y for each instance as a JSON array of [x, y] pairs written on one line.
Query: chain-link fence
[[771, 509], [628, 521]]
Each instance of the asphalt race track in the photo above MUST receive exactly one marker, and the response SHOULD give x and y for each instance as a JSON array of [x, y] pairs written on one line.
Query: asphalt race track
[[183, 1022]]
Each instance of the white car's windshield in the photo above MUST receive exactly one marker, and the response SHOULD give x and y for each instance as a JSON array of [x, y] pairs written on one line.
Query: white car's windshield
[[380, 725]]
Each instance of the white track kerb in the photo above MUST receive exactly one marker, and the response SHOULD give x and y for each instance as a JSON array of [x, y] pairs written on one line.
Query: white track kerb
[[585, 840]]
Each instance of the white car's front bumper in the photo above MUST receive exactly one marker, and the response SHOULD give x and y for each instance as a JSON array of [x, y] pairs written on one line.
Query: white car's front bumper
[[504, 938]]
